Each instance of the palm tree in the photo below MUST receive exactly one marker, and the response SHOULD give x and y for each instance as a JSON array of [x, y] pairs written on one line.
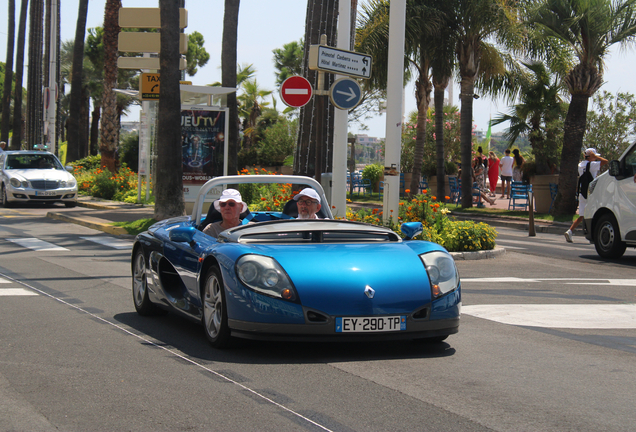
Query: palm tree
[[75, 142], [478, 20], [288, 60], [588, 28], [422, 22], [251, 106], [169, 183], [228, 78], [109, 119], [8, 74], [315, 135], [16, 140], [539, 106], [34, 80]]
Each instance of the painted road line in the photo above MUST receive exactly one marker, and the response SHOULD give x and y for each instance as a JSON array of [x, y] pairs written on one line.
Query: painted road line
[[2, 280], [36, 244], [7, 292], [562, 281], [565, 316], [110, 242], [529, 243]]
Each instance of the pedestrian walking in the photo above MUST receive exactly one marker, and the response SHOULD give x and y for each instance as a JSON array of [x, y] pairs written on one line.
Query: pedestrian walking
[[505, 165], [493, 172], [591, 164]]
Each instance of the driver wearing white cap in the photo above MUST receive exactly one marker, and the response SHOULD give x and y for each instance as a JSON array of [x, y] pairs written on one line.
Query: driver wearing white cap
[[308, 204]]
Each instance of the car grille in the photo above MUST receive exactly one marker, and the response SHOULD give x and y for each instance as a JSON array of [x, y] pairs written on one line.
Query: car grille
[[45, 184]]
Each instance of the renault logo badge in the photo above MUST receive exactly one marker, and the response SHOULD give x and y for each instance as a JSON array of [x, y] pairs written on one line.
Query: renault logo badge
[[369, 292]]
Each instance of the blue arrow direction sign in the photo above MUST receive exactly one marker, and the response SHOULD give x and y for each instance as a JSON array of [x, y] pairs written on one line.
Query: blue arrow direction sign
[[345, 93]]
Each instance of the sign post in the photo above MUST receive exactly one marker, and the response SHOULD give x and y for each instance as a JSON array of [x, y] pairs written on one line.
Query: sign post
[[296, 91]]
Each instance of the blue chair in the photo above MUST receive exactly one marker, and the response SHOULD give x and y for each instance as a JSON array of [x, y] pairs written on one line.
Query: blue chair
[[476, 192], [455, 190], [402, 185], [381, 188], [423, 184], [519, 195], [366, 186], [554, 188]]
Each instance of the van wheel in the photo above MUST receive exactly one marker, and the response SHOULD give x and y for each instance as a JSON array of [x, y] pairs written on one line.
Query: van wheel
[[607, 238]]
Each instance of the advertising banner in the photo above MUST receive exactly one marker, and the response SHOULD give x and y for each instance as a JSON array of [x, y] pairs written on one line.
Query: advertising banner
[[203, 143]]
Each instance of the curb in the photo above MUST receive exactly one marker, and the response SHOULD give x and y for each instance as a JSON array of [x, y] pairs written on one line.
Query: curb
[[486, 254], [105, 227]]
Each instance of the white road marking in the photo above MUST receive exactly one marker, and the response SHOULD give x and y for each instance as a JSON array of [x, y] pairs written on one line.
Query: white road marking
[[570, 316], [2, 280], [565, 281], [5, 292], [529, 243], [110, 242], [513, 247], [36, 244]]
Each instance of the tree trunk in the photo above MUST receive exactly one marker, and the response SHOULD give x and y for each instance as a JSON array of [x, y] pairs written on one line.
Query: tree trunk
[[34, 80], [315, 132], [169, 184], [423, 88], [94, 134], [228, 79], [8, 75], [439, 136], [16, 139], [74, 144], [108, 142], [84, 123], [573, 132], [466, 136]]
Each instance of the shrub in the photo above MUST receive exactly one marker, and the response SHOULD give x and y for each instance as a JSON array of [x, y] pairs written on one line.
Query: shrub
[[129, 151], [373, 172]]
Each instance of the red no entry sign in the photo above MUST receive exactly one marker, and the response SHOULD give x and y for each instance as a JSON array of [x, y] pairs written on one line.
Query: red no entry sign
[[296, 91]]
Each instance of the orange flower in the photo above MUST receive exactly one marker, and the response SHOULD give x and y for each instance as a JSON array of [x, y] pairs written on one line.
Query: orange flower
[[433, 198], [263, 199], [407, 190], [446, 198], [269, 208]]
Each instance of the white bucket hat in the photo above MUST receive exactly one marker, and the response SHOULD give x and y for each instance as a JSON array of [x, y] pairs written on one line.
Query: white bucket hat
[[592, 150], [308, 192], [230, 194]]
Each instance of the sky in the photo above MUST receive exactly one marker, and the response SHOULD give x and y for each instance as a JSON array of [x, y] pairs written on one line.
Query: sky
[[265, 25]]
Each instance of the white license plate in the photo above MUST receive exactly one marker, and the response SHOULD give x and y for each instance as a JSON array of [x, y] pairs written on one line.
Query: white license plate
[[44, 193], [370, 324]]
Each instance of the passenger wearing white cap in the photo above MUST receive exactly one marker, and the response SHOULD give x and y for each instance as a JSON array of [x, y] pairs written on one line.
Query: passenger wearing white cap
[[230, 205], [308, 204], [594, 159]]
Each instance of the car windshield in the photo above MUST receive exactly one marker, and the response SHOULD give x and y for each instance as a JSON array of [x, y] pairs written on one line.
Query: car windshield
[[33, 161]]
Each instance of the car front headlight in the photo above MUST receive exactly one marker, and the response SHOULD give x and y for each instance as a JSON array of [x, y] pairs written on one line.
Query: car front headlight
[[264, 275], [71, 183], [442, 272], [17, 183]]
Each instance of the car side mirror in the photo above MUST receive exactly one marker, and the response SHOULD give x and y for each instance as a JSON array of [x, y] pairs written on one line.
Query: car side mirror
[[614, 168], [69, 168], [182, 234], [411, 229]]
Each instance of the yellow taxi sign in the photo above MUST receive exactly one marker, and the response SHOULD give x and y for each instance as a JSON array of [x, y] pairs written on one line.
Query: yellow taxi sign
[[149, 84]]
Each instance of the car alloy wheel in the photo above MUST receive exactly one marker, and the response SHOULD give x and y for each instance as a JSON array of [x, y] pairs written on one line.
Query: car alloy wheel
[[5, 200], [214, 317], [143, 305]]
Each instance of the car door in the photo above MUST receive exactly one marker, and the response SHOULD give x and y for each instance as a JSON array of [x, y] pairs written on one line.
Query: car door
[[627, 187]]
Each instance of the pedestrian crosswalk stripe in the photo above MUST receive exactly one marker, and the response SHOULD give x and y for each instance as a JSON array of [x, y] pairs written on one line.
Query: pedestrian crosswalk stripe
[[16, 292], [4, 280], [36, 244], [110, 242], [565, 316]]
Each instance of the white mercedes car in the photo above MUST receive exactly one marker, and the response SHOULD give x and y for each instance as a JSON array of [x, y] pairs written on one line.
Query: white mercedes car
[[35, 176]]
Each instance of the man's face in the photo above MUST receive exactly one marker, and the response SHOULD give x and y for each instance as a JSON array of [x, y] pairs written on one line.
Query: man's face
[[307, 207], [230, 209]]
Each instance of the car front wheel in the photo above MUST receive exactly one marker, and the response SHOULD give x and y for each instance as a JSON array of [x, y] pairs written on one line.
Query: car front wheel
[[5, 200], [607, 238], [143, 305], [214, 317]]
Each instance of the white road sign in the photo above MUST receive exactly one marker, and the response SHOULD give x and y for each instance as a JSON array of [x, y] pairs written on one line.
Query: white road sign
[[339, 61]]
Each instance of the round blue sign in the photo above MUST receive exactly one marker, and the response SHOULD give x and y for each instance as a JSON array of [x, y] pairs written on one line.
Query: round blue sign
[[345, 93]]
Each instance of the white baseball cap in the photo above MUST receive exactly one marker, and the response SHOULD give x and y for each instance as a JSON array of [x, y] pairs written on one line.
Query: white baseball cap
[[592, 150], [308, 192], [230, 194]]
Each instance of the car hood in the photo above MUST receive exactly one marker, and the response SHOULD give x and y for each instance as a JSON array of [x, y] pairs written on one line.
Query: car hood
[[333, 278], [37, 174]]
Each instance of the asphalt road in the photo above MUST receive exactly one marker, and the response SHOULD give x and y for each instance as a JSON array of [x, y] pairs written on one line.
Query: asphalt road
[[547, 343]]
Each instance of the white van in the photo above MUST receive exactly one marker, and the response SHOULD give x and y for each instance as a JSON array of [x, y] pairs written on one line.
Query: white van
[[610, 213]]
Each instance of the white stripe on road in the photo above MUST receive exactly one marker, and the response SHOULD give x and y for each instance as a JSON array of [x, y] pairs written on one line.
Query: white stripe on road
[[570, 316], [565, 281], [529, 243], [110, 242], [36, 244], [5, 292], [2, 280]]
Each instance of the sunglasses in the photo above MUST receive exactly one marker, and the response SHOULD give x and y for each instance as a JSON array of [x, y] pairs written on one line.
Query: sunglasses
[[307, 202], [224, 203]]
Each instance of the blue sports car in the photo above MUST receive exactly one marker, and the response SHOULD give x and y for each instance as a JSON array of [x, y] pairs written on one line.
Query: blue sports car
[[279, 278]]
